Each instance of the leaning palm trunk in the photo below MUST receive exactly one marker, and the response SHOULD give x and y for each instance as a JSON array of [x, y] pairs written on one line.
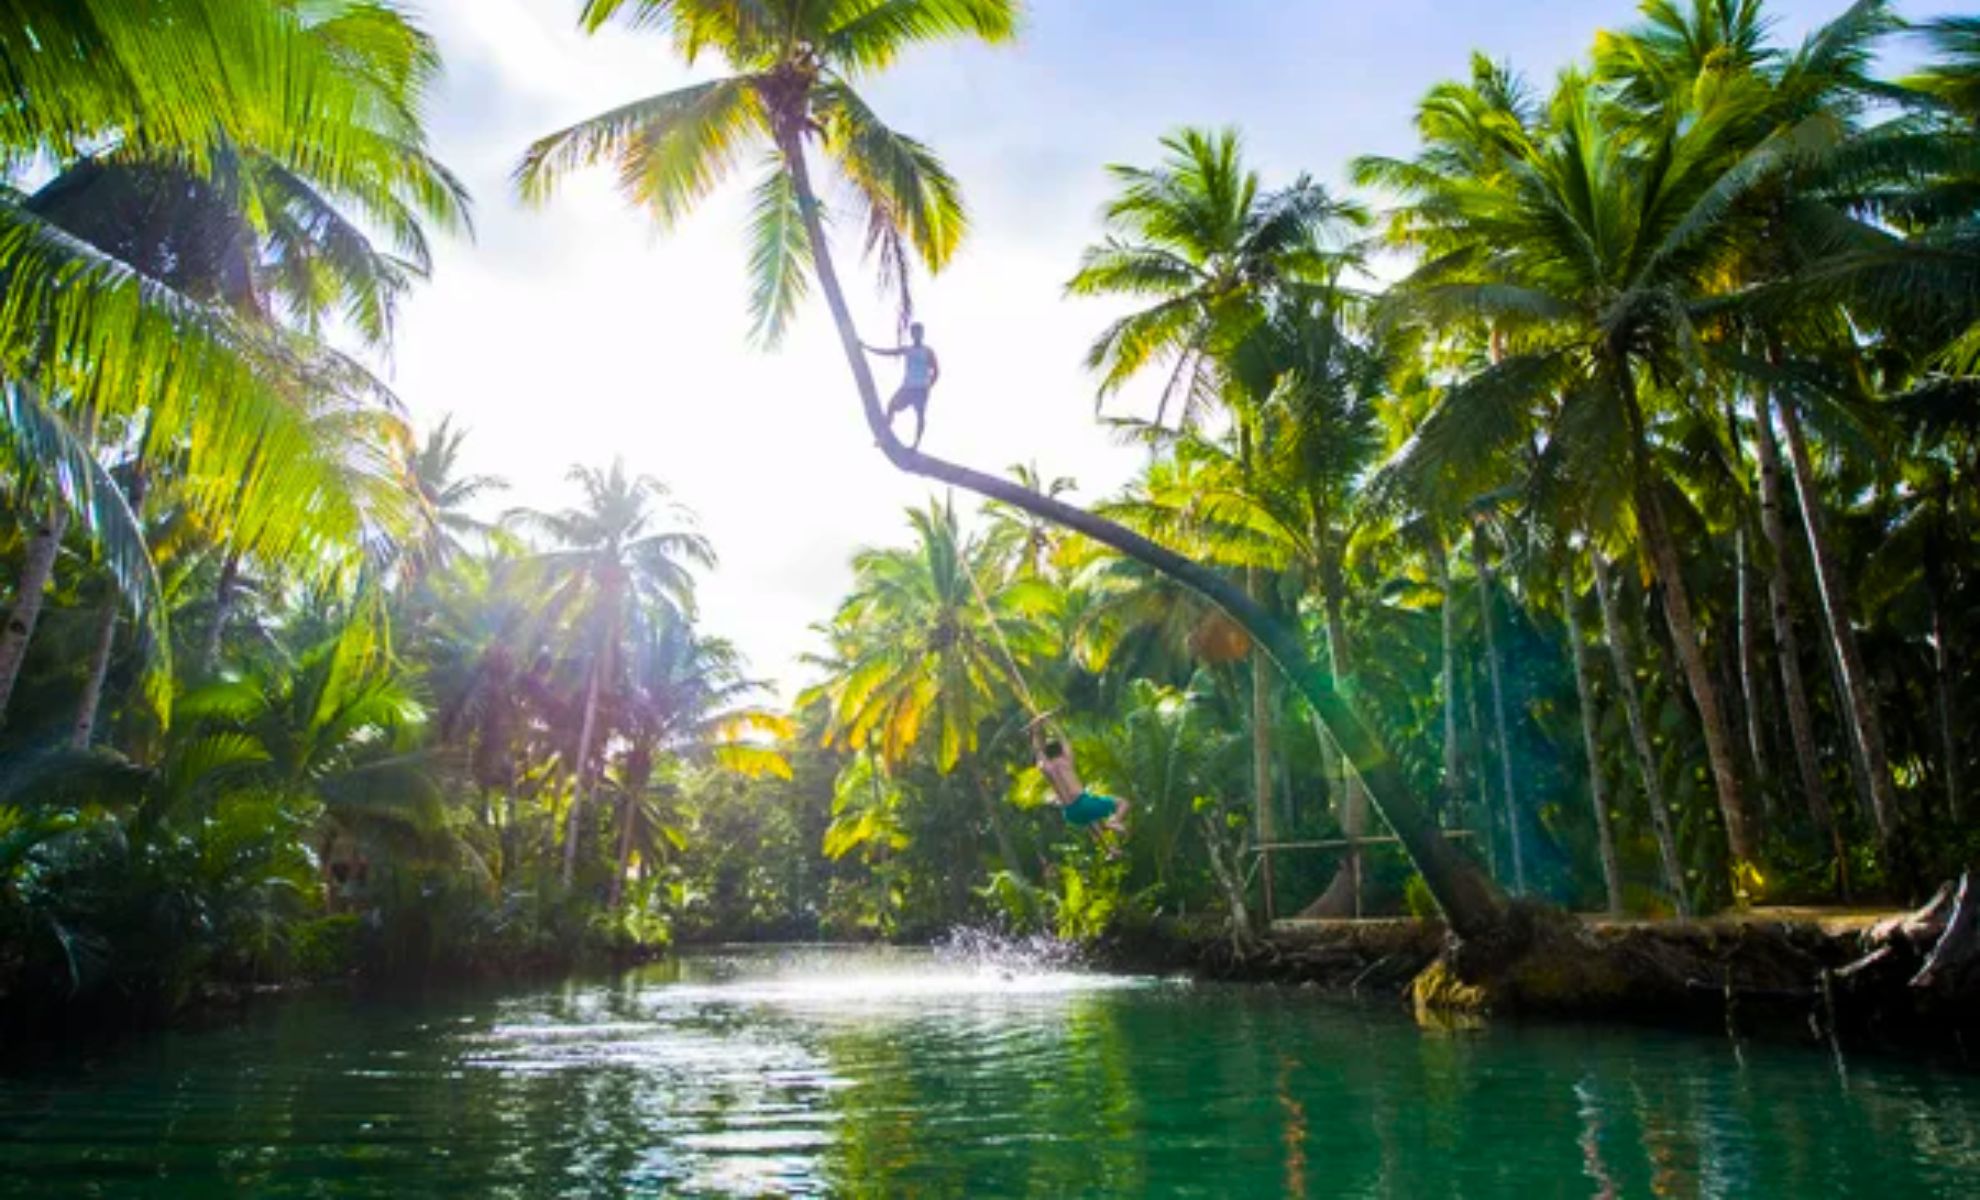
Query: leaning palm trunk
[[1639, 735], [1515, 838], [1787, 645], [1605, 834], [1865, 730], [29, 594], [1472, 905]]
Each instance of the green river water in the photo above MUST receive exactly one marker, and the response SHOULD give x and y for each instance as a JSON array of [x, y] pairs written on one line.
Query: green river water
[[858, 1073]]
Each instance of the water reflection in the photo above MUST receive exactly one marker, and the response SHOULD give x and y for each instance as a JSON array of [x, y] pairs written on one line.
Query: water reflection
[[810, 1073]]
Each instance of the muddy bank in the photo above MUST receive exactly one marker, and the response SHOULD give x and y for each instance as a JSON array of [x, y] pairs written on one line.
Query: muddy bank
[[1835, 981]]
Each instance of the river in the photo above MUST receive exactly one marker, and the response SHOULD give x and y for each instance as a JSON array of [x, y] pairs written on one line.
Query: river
[[869, 1073]]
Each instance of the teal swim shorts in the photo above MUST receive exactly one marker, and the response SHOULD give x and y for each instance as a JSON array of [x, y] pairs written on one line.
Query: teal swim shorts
[[1089, 809]]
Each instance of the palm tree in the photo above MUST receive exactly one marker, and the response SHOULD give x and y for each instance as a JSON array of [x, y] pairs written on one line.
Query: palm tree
[[1581, 255], [795, 63], [1200, 237], [690, 703], [935, 639], [177, 253], [446, 523], [624, 557]]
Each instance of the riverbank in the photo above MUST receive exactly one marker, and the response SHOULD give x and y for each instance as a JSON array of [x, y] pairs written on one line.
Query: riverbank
[[1835, 979]]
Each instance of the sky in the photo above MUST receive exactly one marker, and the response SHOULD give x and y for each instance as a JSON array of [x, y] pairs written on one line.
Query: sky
[[577, 332]]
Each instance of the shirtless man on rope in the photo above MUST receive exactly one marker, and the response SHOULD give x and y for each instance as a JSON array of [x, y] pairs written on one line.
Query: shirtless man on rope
[[923, 370], [1081, 808]]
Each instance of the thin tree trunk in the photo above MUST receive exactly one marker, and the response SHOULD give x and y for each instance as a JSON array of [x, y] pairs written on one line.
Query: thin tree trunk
[[106, 632], [1751, 680], [1698, 676], [1864, 727], [587, 726], [1605, 834], [1453, 750], [1516, 838], [84, 727], [223, 609], [1664, 561], [1261, 764], [1481, 778], [1942, 679], [1639, 736], [29, 594], [1471, 904], [1787, 644], [628, 817]]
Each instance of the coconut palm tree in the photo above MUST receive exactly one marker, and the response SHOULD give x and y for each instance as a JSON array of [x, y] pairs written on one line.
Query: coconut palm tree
[[165, 251], [446, 524], [795, 63], [690, 703], [1200, 237], [622, 558], [1581, 257]]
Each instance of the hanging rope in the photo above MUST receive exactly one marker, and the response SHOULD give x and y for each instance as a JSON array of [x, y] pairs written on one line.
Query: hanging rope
[[1003, 644]]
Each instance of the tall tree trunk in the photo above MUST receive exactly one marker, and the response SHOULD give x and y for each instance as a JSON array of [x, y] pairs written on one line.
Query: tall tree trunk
[[1751, 680], [1264, 817], [1440, 565], [84, 727], [1344, 894], [1698, 676], [587, 727], [628, 816], [1481, 777], [1605, 834], [1942, 678], [1787, 645], [106, 632], [1864, 727], [1613, 628], [1741, 835], [29, 594], [223, 609], [1471, 904], [1516, 838]]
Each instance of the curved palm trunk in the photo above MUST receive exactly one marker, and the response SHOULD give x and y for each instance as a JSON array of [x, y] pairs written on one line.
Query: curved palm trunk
[[1263, 815], [1470, 902], [1864, 727], [1515, 839], [1605, 834], [1787, 643], [1639, 736], [29, 594]]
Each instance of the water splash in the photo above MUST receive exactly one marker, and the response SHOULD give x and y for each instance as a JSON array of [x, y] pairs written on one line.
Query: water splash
[[1008, 954]]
